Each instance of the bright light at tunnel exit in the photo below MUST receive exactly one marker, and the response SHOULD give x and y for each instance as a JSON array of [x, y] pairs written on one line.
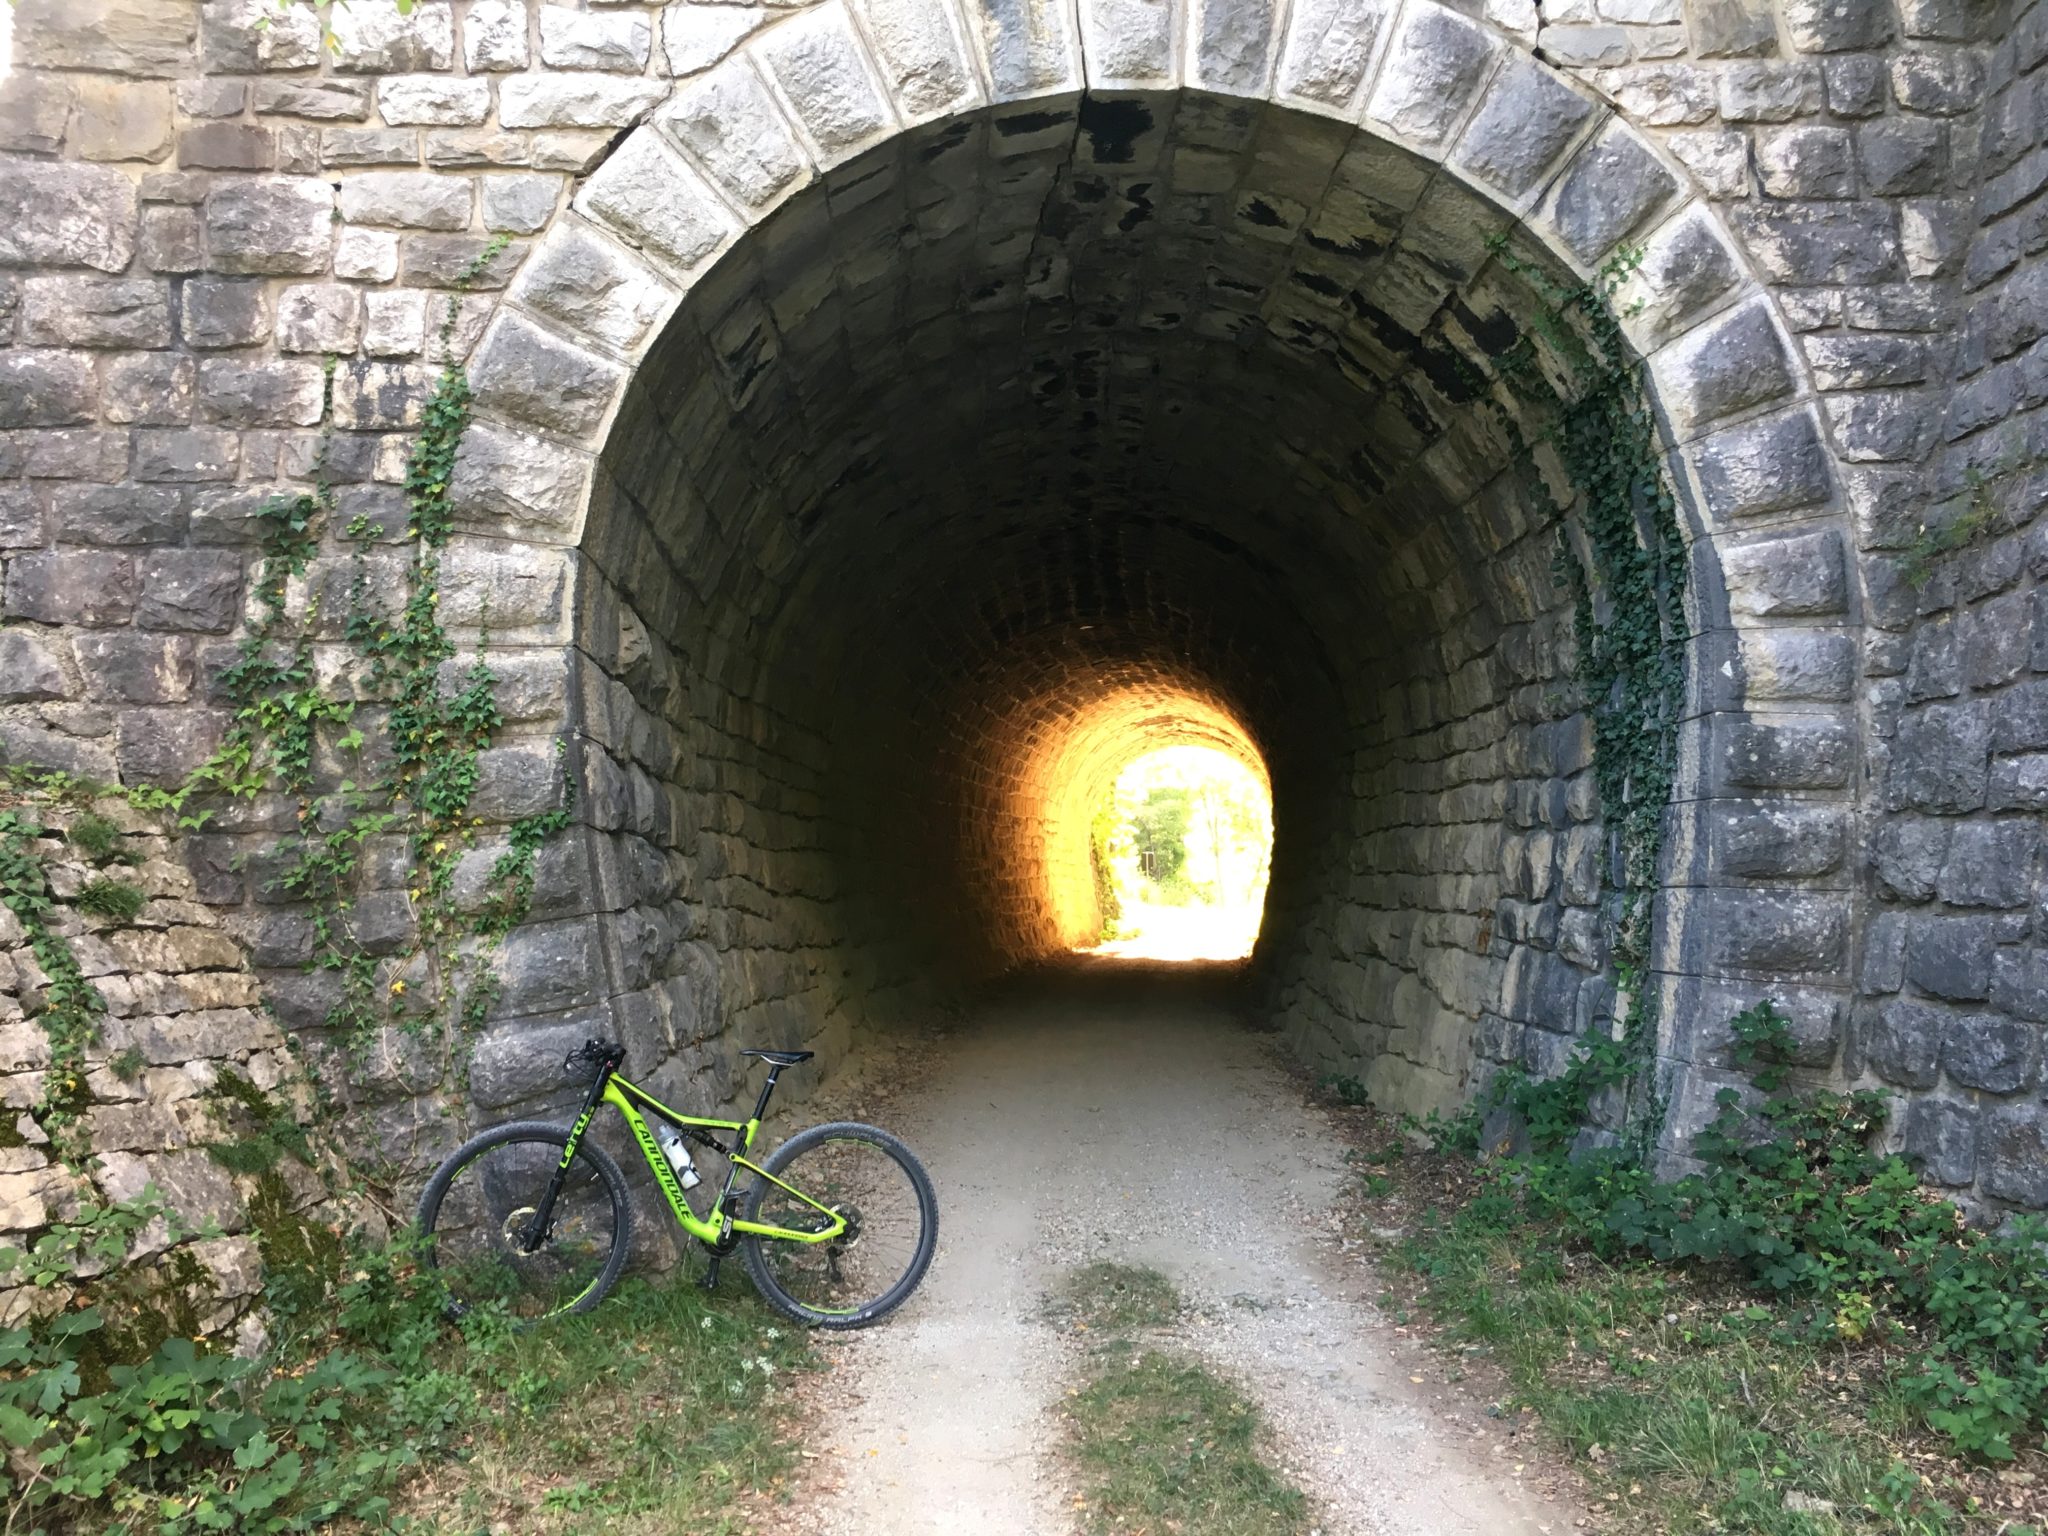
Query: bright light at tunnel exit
[[1182, 846]]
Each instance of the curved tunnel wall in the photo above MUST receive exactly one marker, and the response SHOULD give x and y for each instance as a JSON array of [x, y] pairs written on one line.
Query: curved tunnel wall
[[1032, 415]]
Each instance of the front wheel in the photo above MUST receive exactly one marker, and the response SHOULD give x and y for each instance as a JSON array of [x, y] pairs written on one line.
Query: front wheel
[[877, 1184], [480, 1222]]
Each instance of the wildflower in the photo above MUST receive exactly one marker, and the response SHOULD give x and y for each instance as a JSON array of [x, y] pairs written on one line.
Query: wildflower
[[398, 989]]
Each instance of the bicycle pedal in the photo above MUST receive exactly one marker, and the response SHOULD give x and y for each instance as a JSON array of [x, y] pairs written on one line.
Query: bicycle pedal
[[710, 1280]]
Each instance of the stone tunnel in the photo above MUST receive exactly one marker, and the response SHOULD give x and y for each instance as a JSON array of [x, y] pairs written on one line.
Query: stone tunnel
[[892, 417]]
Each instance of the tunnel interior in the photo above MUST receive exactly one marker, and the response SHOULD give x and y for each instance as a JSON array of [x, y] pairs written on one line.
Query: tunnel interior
[[1043, 437]]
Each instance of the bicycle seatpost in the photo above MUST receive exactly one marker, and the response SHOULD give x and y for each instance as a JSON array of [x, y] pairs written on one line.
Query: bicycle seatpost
[[767, 1089]]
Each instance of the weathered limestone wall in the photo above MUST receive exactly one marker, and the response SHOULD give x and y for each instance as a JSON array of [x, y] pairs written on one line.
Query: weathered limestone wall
[[182, 1007], [820, 325]]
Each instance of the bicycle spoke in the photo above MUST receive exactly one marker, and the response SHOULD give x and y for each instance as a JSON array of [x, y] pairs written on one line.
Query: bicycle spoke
[[862, 1182]]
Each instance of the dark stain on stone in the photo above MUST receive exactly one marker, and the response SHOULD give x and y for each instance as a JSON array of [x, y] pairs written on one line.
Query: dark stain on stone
[[1028, 122], [1450, 373], [1089, 189], [1495, 332], [1113, 128], [1140, 209], [1259, 211], [1315, 282], [954, 135]]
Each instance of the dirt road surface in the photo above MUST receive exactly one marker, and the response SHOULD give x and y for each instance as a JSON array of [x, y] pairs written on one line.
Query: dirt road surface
[[1126, 1113]]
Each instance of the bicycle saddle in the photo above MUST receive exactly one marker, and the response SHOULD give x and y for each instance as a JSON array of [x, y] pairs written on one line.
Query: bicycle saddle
[[782, 1058]]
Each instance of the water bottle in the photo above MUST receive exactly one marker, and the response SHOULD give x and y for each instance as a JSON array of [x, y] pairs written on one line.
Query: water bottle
[[677, 1151]]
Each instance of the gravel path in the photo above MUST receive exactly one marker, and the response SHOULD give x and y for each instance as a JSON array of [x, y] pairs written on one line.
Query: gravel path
[[1117, 1113]]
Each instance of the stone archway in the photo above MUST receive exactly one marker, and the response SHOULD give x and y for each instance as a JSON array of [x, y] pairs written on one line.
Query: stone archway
[[773, 562]]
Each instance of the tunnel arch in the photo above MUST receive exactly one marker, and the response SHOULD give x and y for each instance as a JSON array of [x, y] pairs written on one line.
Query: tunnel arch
[[1154, 320]]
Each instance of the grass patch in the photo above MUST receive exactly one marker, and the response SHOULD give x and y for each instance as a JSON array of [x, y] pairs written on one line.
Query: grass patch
[[105, 896], [1119, 1297], [661, 1410], [1693, 1404], [1165, 1445], [1161, 1443]]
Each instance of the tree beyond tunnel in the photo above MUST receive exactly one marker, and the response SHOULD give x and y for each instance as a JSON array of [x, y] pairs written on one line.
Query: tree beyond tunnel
[[1036, 433]]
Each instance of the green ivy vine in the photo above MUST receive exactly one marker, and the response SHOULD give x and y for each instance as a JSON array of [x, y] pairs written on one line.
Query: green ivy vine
[[1621, 561]]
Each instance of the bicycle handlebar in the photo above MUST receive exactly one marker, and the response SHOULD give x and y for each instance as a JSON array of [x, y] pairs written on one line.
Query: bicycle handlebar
[[596, 1053]]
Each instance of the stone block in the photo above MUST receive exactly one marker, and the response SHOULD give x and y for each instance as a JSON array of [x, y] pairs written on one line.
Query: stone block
[[238, 393], [1807, 162], [1941, 1141], [194, 590], [323, 100], [1328, 48], [1527, 119], [184, 456], [575, 101], [217, 313], [242, 37], [1770, 93], [1902, 156], [46, 389], [122, 120], [519, 205], [1836, 26], [1777, 464], [2018, 783], [1807, 243], [366, 255], [1902, 1042], [438, 100], [2013, 1154], [1773, 933], [369, 146], [72, 587], [66, 216], [2019, 719], [407, 200], [593, 288], [1950, 957], [517, 480], [1990, 864], [647, 194], [1989, 1052], [822, 72], [1724, 366], [270, 227], [1434, 68], [1765, 840], [21, 518], [494, 36], [227, 147], [94, 312], [123, 667], [1881, 426], [1797, 576], [173, 240], [458, 261], [380, 396], [319, 317], [123, 37], [380, 40], [34, 110], [547, 967], [32, 668], [1943, 82], [212, 98], [523, 1060], [612, 40], [528, 375], [118, 514], [1908, 854], [395, 323], [1724, 29], [1717, 159], [1787, 754], [733, 127], [1939, 759]]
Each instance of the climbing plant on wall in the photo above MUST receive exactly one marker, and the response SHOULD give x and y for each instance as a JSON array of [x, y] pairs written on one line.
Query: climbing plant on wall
[[1620, 558]]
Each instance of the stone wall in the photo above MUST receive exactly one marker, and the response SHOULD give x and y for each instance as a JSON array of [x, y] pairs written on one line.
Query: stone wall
[[859, 375], [182, 1009]]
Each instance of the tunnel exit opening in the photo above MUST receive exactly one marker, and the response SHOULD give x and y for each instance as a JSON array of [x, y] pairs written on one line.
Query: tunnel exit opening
[[1182, 846]]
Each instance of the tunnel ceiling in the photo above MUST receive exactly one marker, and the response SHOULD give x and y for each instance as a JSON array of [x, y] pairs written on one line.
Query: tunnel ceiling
[[1035, 407]]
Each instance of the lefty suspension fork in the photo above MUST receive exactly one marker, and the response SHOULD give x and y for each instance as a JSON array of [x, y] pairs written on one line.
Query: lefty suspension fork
[[536, 1231], [732, 1173]]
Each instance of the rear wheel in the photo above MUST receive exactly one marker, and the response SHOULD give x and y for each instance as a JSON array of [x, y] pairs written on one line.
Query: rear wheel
[[892, 1217], [478, 1220]]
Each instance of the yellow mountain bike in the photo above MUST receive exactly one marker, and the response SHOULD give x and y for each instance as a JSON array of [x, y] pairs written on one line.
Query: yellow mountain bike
[[836, 1229]]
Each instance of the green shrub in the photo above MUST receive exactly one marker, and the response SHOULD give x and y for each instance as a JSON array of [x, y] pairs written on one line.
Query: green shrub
[[96, 836], [104, 896], [1795, 1201]]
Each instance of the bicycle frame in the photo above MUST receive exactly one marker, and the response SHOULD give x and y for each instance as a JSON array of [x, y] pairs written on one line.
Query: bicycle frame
[[717, 1231]]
